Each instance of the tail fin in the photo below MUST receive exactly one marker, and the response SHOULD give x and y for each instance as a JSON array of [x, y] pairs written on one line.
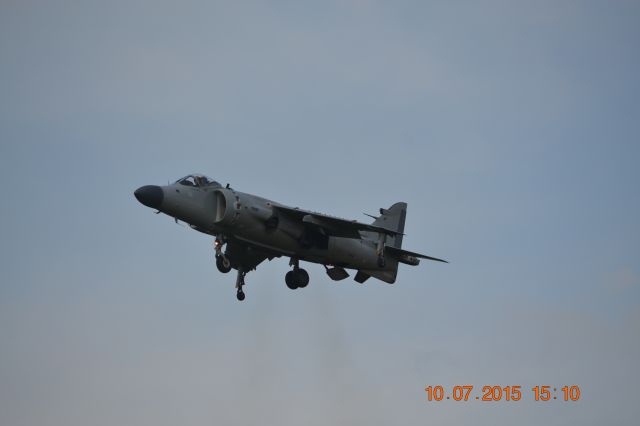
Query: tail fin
[[393, 219]]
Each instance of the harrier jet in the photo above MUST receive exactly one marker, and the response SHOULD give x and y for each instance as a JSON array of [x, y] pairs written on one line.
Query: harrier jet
[[252, 229]]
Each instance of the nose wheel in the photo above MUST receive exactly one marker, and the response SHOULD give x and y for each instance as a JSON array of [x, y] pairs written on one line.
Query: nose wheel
[[240, 295], [239, 283], [223, 264], [222, 261]]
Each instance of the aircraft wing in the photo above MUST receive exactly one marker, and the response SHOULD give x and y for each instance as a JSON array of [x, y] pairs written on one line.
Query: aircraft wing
[[330, 225]]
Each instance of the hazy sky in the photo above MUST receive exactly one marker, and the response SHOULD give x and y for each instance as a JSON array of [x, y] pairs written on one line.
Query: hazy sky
[[510, 128]]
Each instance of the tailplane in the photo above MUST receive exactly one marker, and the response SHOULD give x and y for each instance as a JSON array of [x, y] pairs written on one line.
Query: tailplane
[[390, 247]]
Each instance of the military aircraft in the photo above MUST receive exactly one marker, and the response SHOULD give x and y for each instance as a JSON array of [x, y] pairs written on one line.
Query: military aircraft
[[254, 229]]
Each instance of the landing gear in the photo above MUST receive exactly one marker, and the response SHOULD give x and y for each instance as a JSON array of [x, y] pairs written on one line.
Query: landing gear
[[223, 264], [297, 278], [217, 246], [222, 261], [288, 279], [301, 277], [239, 283], [240, 295]]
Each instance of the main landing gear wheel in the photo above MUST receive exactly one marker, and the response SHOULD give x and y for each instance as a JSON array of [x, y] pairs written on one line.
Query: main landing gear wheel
[[223, 264], [298, 278], [288, 279], [302, 278]]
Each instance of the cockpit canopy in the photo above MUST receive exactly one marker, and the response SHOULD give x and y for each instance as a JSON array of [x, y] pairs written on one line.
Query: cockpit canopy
[[197, 180]]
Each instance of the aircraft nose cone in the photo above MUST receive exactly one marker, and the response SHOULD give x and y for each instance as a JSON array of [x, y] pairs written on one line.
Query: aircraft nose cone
[[150, 196]]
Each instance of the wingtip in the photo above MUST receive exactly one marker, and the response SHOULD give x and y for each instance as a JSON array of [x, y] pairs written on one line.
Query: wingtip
[[436, 259]]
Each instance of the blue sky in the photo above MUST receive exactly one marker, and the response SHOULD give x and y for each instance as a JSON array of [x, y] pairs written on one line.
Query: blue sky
[[510, 129]]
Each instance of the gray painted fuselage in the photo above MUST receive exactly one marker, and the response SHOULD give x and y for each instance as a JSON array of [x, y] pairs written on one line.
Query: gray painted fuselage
[[240, 216], [253, 229]]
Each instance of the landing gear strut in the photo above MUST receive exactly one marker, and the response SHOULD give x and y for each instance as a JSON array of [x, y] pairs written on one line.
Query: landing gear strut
[[298, 277], [224, 265], [239, 283]]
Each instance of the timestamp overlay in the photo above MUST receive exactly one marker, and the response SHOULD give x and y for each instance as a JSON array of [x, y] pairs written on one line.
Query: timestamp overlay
[[500, 393]]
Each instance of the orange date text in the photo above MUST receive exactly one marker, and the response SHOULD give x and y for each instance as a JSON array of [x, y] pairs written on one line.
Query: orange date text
[[495, 393]]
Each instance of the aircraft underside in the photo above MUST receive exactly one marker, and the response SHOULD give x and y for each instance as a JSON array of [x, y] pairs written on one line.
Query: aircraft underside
[[245, 255]]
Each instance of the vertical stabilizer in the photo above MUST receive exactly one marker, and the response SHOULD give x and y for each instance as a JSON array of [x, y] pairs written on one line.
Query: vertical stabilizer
[[393, 219]]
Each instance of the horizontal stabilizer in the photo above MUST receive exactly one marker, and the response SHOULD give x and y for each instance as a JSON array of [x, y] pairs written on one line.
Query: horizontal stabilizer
[[406, 256]]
